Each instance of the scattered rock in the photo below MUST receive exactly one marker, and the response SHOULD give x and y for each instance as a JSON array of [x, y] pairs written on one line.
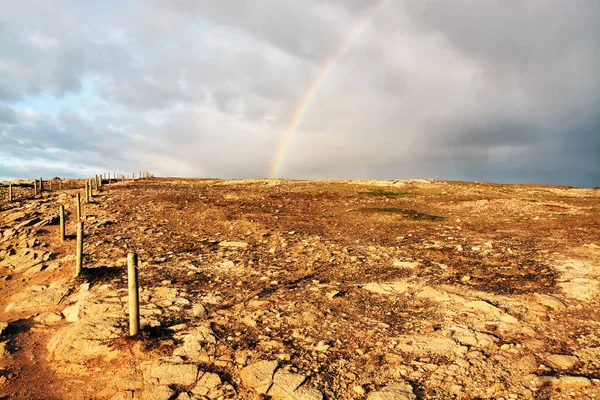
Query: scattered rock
[[562, 361], [198, 310], [550, 301], [241, 245], [406, 264], [71, 313]]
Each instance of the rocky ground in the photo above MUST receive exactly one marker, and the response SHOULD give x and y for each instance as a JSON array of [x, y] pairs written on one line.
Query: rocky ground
[[304, 290]]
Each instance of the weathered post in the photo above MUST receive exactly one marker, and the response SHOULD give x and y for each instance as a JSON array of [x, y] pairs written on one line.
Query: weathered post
[[79, 259], [41, 185], [62, 223], [87, 191], [60, 185], [134, 305], [10, 192], [78, 206]]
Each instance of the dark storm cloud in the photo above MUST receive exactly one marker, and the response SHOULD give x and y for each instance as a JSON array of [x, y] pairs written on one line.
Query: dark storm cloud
[[486, 90]]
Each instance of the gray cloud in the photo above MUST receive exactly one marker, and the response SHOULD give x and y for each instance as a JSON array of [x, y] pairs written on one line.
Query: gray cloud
[[486, 90], [7, 115]]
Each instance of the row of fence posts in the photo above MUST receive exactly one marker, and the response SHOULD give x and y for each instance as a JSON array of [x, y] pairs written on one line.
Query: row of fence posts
[[132, 258], [93, 183]]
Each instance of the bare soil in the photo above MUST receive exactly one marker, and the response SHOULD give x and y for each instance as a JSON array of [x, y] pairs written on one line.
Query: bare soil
[[462, 290]]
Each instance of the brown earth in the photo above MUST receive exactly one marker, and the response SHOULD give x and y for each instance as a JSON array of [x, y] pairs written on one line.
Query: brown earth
[[304, 290]]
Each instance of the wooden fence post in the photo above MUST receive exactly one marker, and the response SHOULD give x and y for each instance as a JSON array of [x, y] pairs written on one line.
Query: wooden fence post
[[78, 206], [87, 191], [134, 305], [41, 185], [79, 259], [62, 223], [10, 192]]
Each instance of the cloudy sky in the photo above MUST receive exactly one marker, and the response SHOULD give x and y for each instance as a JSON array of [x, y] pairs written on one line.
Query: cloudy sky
[[504, 90]]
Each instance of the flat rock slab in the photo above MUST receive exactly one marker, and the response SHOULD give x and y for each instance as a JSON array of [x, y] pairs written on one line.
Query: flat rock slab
[[206, 384], [259, 376], [48, 318], [161, 392], [394, 391], [36, 297], [174, 374], [429, 345], [86, 339]]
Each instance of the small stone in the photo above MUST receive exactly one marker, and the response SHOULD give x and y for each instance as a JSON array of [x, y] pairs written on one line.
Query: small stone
[[3, 350], [358, 390], [550, 301], [465, 278], [406, 264], [198, 310], [562, 361], [71, 313], [528, 363], [241, 245], [322, 347]]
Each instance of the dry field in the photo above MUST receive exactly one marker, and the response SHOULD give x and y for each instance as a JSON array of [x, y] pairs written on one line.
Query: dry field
[[257, 289]]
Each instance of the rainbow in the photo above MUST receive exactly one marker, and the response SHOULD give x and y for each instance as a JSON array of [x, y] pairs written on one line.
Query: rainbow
[[359, 28]]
